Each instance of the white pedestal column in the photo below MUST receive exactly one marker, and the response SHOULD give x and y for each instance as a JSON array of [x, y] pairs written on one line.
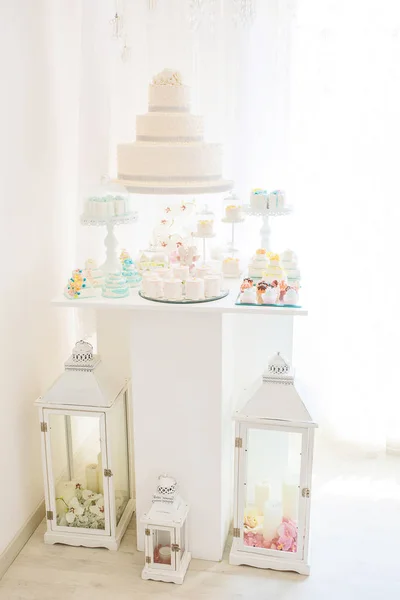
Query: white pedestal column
[[182, 384]]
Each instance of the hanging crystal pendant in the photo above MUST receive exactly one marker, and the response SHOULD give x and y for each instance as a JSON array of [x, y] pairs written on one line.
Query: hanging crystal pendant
[[117, 26], [125, 52]]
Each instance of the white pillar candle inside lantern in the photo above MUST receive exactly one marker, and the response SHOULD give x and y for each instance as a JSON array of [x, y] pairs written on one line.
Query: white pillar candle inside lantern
[[166, 535], [262, 495], [273, 457], [272, 519], [86, 465]]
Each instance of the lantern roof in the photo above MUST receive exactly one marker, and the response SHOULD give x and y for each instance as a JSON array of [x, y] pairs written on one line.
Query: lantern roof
[[85, 382], [168, 508], [275, 399]]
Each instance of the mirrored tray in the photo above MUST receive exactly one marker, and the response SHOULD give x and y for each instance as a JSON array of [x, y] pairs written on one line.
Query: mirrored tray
[[223, 294]]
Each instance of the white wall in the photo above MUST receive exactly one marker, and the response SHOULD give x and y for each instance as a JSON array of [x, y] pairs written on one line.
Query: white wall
[[39, 57]]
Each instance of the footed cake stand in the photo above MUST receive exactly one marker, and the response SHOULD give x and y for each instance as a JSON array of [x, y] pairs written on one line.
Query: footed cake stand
[[112, 262], [265, 231], [231, 244], [204, 238]]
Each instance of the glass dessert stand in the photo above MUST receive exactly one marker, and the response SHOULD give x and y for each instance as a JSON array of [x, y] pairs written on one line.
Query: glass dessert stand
[[112, 262], [204, 238], [265, 231], [221, 295]]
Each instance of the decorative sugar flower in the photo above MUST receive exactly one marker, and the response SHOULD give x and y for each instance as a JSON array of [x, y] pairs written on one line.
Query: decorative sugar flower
[[75, 510], [287, 536], [98, 508]]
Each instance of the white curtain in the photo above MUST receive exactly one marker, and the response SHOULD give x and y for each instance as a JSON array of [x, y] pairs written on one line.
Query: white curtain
[[304, 99]]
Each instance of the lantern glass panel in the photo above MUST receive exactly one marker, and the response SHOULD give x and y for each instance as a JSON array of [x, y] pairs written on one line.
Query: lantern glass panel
[[76, 470], [162, 542], [118, 440], [182, 542], [272, 489]]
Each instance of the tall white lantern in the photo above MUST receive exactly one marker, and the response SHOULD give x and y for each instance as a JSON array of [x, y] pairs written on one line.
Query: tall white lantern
[[88, 486], [274, 442], [166, 534]]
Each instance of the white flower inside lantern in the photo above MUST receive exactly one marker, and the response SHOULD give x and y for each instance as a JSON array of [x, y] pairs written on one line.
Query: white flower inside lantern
[[273, 460], [166, 534], [85, 449]]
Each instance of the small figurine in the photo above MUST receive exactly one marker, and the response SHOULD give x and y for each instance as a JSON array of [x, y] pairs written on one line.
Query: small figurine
[[261, 288]]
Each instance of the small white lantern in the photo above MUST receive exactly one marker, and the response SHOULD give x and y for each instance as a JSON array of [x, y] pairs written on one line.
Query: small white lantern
[[166, 534], [85, 451], [273, 462]]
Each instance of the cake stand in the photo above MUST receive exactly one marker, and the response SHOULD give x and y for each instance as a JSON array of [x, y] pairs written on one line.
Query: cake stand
[[174, 186], [112, 262], [231, 244], [265, 231], [204, 238], [221, 295]]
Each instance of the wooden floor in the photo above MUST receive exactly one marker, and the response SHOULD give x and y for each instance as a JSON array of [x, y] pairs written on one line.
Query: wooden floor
[[355, 554]]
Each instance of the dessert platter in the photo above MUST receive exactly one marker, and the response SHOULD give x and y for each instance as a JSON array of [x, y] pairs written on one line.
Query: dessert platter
[[183, 282], [170, 155], [273, 280]]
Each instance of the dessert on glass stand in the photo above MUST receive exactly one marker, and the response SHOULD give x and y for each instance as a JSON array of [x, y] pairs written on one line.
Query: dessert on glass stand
[[267, 204], [185, 282], [233, 216]]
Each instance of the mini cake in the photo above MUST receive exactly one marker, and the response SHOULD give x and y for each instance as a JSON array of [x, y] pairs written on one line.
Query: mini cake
[[259, 199], [173, 289], [212, 285], [181, 272], [274, 270], [115, 286], [194, 288], [290, 267], [78, 287], [163, 272], [202, 270], [233, 213], [105, 207], [205, 227], [129, 272], [155, 287], [145, 276], [270, 295], [231, 267], [291, 296], [93, 273], [258, 263], [276, 200], [248, 295]]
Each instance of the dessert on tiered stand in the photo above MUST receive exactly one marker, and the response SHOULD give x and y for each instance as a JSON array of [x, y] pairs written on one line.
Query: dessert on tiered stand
[[205, 228], [169, 155], [290, 267], [267, 204], [274, 271], [258, 263], [231, 267], [115, 286], [93, 273], [78, 286], [105, 207]]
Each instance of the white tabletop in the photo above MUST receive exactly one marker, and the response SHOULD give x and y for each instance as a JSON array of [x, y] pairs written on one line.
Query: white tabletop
[[135, 302]]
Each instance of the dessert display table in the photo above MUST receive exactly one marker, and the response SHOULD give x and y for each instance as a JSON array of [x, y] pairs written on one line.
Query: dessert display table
[[188, 364]]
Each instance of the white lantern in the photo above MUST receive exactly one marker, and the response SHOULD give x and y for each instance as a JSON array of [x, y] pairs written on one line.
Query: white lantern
[[273, 461], [166, 534], [85, 450]]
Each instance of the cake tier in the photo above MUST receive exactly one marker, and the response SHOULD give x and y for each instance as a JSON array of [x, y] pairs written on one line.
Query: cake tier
[[169, 98], [161, 126], [174, 163]]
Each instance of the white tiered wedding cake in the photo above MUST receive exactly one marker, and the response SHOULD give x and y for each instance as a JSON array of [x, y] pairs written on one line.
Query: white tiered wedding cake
[[169, 154]]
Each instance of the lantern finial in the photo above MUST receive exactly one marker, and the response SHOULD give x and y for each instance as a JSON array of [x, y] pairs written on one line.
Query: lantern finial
[[82, 357]]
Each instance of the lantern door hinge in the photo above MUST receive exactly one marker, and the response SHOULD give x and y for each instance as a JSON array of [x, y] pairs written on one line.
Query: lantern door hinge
[[147, 532], [148, 559], [238, 442], [175, 547], [305, 492], [107, 473], [49, 515], [43, 427], [236, 532]]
